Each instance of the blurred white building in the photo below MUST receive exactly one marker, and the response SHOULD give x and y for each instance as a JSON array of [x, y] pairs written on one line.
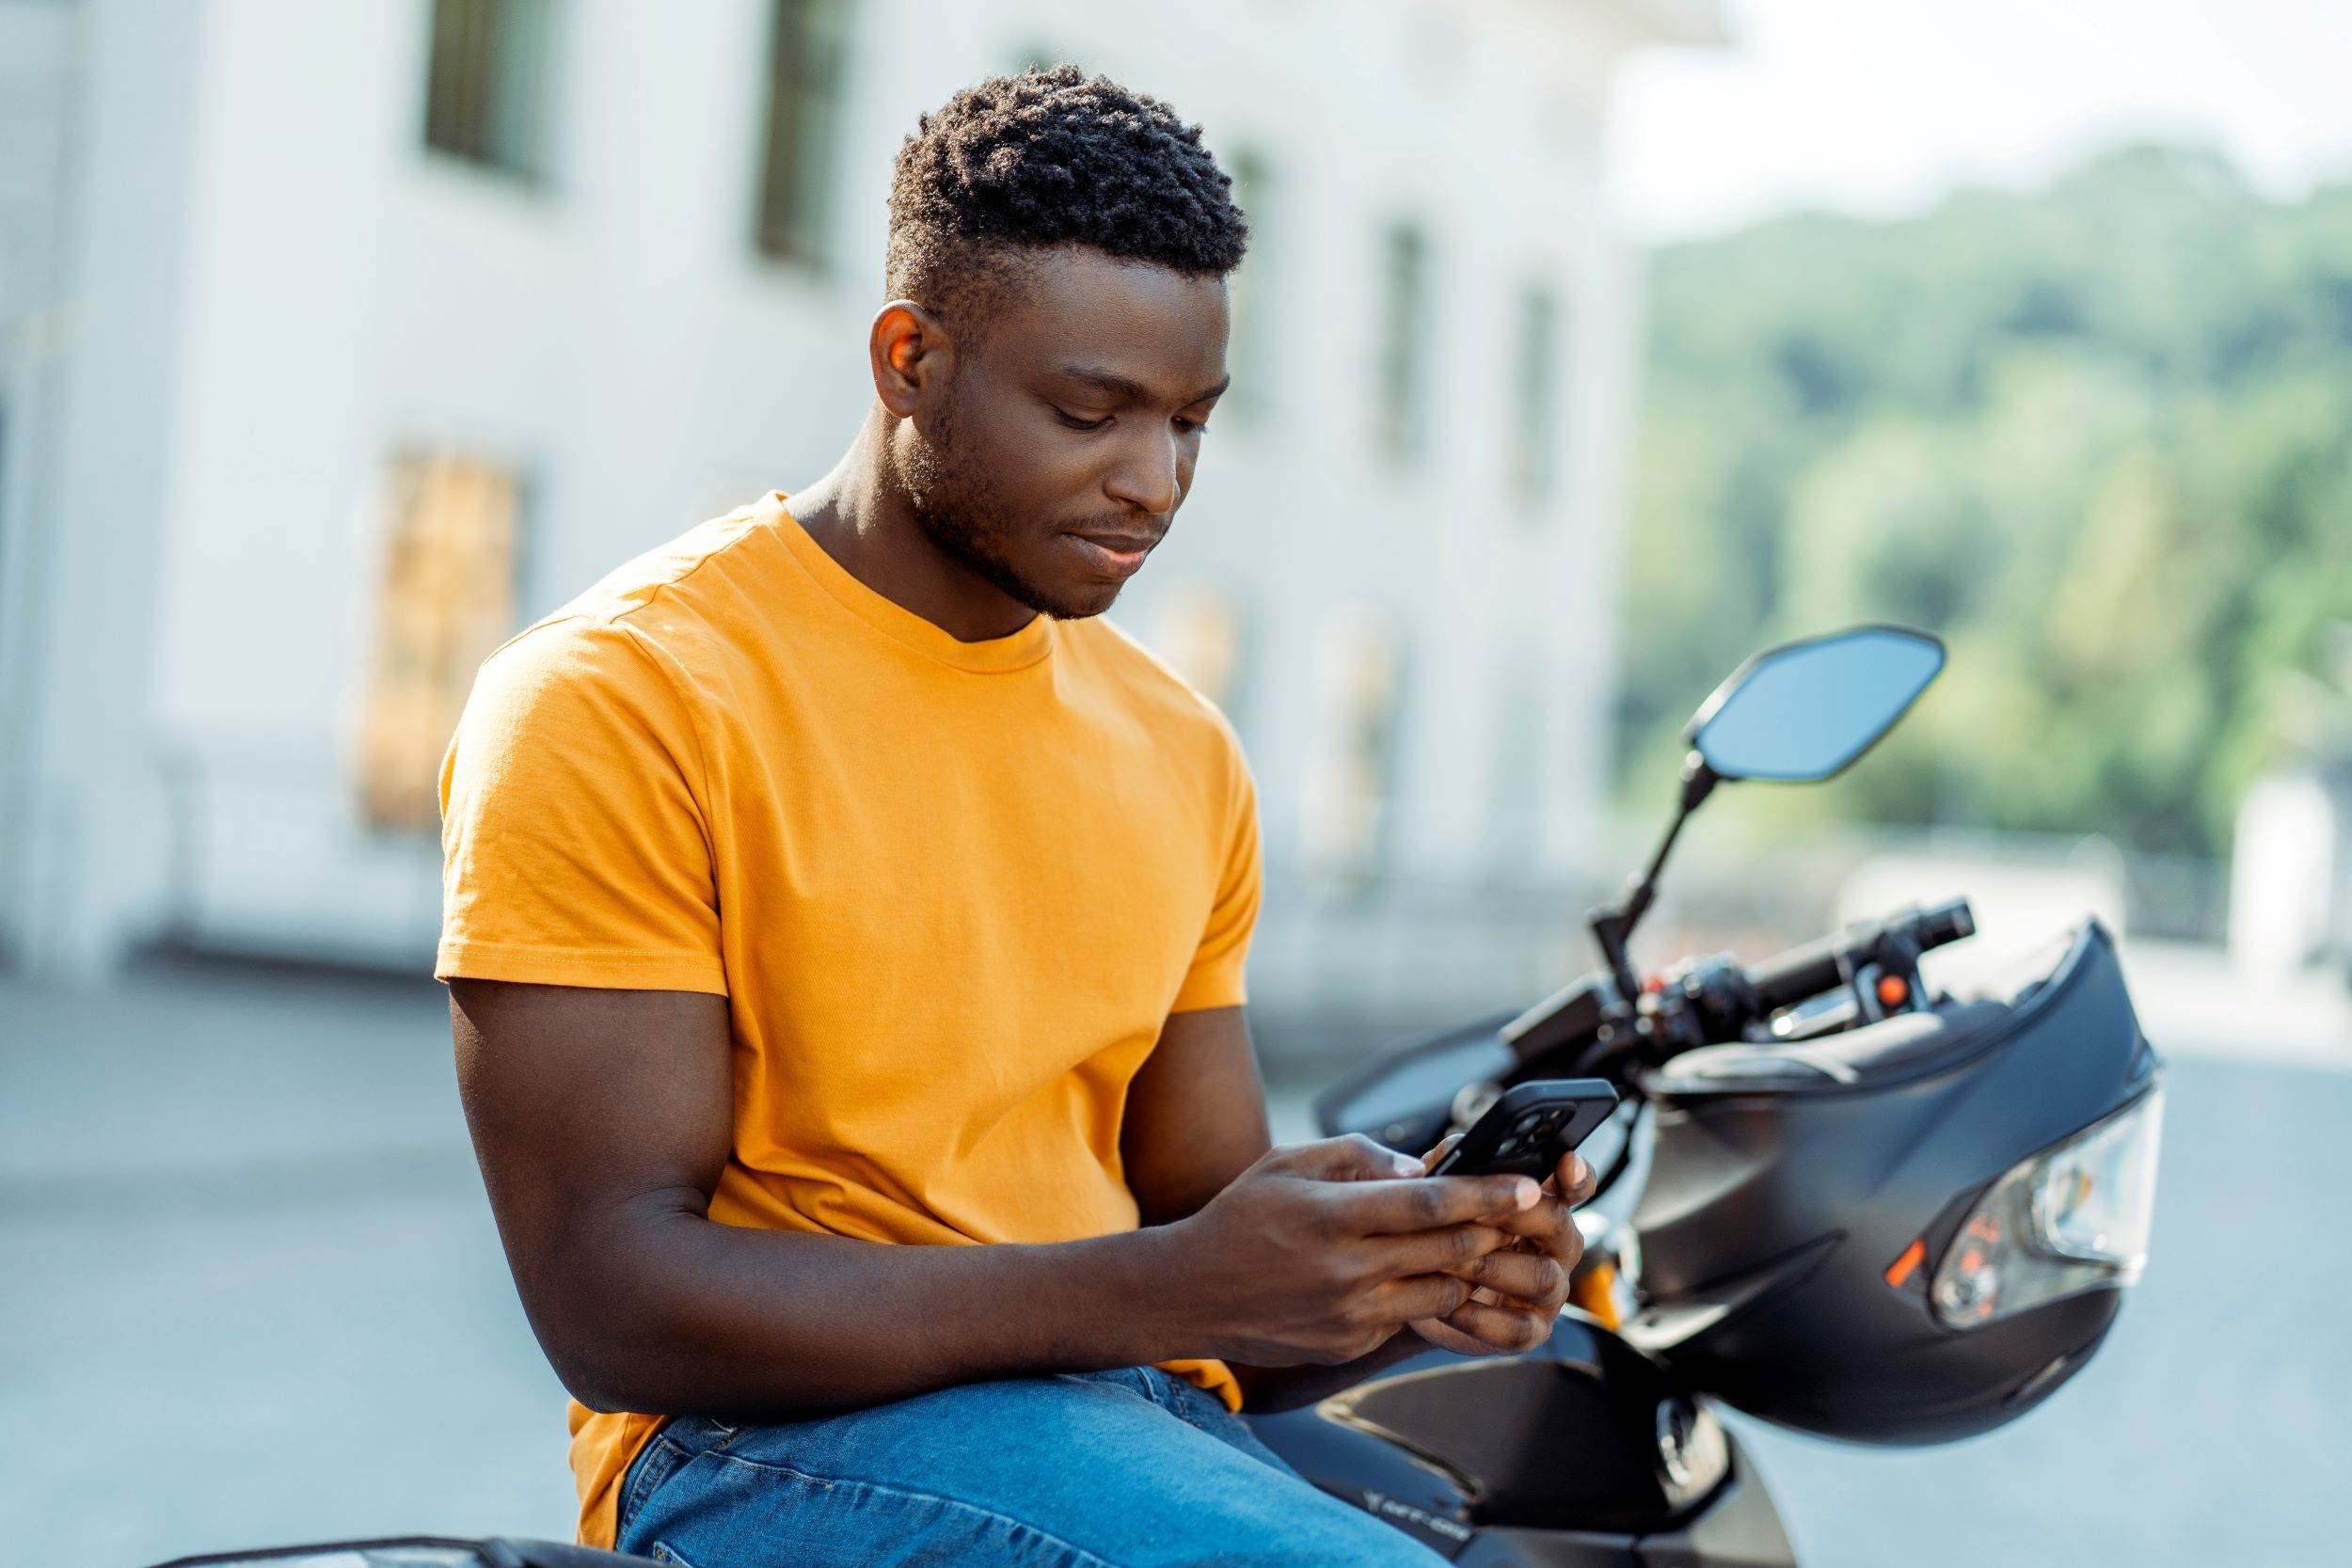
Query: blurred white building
[[342, 338]]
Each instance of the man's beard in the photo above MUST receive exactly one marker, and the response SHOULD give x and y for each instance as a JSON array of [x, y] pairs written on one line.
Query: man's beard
[[962, 512]]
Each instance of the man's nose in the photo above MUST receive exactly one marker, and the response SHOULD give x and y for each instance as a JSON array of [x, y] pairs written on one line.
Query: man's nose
[[1150, 476]]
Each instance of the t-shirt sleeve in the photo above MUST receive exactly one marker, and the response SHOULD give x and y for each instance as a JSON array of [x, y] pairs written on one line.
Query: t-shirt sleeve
[[1215, 979], [575, 850]]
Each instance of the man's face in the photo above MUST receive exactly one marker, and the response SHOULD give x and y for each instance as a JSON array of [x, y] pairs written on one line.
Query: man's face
[[1055, 456]]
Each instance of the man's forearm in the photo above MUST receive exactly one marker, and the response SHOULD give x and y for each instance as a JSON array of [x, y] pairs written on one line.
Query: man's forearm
[[700, 1318]]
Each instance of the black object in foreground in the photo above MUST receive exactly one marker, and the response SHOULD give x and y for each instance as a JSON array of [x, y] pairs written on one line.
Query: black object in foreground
[[417, 1551]]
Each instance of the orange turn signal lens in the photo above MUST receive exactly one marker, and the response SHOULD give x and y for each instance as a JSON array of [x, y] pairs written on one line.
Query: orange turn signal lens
[[1596, 1290]]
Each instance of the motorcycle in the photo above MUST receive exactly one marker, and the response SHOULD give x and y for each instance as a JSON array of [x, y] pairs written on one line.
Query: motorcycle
[[1851, 1205], [1832, 1197]]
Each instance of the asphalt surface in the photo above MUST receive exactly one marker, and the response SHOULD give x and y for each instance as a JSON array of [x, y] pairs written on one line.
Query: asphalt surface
[[250, 1293]]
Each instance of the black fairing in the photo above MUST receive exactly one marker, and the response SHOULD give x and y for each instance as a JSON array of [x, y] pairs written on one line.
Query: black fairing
[[1558, 1450], [1777, 1200]]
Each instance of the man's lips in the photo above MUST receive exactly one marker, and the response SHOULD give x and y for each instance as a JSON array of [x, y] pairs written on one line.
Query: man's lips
[[1115, 555]]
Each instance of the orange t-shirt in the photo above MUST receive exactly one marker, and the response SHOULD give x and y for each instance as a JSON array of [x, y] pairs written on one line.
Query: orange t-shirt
[[950, 889]]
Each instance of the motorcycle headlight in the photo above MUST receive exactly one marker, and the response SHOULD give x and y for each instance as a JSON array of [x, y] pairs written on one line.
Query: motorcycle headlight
[[2070, 1219]]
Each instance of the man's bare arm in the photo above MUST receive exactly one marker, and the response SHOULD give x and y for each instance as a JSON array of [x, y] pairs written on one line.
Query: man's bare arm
[[602, 1122], [1195, 1113]]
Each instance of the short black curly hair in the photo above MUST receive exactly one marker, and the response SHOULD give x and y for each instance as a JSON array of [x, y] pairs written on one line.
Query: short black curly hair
[[1052, 157]]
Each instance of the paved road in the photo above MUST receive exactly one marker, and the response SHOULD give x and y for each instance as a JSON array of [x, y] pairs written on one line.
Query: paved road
[[250, 1293]]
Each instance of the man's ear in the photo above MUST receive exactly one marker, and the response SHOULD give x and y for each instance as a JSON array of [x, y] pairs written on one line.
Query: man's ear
[[911, 351]]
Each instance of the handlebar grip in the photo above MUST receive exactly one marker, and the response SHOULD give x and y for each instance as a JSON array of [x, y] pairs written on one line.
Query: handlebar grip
[[1817, 966], [1800, 973], [1943, 923]]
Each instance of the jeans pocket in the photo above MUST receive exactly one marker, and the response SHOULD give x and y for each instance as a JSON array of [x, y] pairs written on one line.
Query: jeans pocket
[[1197, 1406], [1144, 1381], [699, 1434], [645, 1474], [1171, 1393]]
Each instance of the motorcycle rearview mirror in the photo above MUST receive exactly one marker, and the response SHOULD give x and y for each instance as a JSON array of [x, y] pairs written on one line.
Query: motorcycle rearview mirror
[[1804, 711], [1797, 713]]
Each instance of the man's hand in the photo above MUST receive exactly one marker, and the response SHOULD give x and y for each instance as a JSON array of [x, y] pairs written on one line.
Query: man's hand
[[1319, 1251], [1520, 1288]]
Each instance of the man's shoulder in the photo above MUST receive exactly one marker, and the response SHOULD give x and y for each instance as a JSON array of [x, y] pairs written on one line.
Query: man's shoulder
[[673, 575], [1164, 698], [671, 603]]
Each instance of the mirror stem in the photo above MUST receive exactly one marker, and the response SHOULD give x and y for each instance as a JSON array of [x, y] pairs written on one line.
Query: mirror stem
[[1699, 780], [1612, 928]]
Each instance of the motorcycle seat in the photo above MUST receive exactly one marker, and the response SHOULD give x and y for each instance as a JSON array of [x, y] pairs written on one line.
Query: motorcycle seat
[[1907, 1045]]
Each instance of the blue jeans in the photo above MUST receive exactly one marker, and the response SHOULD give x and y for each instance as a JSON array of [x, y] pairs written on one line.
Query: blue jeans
[[1132, 1468]]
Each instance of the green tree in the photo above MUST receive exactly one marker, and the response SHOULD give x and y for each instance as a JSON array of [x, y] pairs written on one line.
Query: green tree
[[2099, 437]]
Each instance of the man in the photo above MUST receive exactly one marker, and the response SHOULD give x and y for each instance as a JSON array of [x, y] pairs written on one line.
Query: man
[[829, 891]]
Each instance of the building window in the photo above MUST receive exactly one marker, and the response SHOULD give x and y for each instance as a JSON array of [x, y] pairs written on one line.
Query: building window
[[1403, 366], [486, 97], [1245, 354], [1346, 783], [447, 600], [805, 48], [1535, 427]]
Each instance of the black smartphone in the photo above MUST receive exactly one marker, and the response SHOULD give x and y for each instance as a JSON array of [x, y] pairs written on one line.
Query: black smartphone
[[1527, 1130]]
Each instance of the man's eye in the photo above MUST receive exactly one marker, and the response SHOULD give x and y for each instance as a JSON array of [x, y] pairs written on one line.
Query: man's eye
[[1066, 417], [1196, 427]]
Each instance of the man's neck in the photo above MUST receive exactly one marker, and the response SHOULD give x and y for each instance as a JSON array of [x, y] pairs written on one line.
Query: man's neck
[[861, 516]]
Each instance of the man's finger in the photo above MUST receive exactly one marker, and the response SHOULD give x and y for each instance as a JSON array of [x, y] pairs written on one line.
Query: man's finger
[[1550, 1227], [1549, 1222], [1446, 1336], [1351, 1157], [1575, 1180], [1419, 1295], [1507, 1329], [1428, 1202], [1449, 1249], [1445, 1147], [1535, 1278]]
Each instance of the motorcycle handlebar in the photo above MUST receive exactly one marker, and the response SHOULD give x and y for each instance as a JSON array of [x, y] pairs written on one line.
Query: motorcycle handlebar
[[1819, 966]]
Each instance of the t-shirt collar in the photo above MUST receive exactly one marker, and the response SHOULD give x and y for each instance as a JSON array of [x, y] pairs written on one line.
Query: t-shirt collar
[[990, 656]]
